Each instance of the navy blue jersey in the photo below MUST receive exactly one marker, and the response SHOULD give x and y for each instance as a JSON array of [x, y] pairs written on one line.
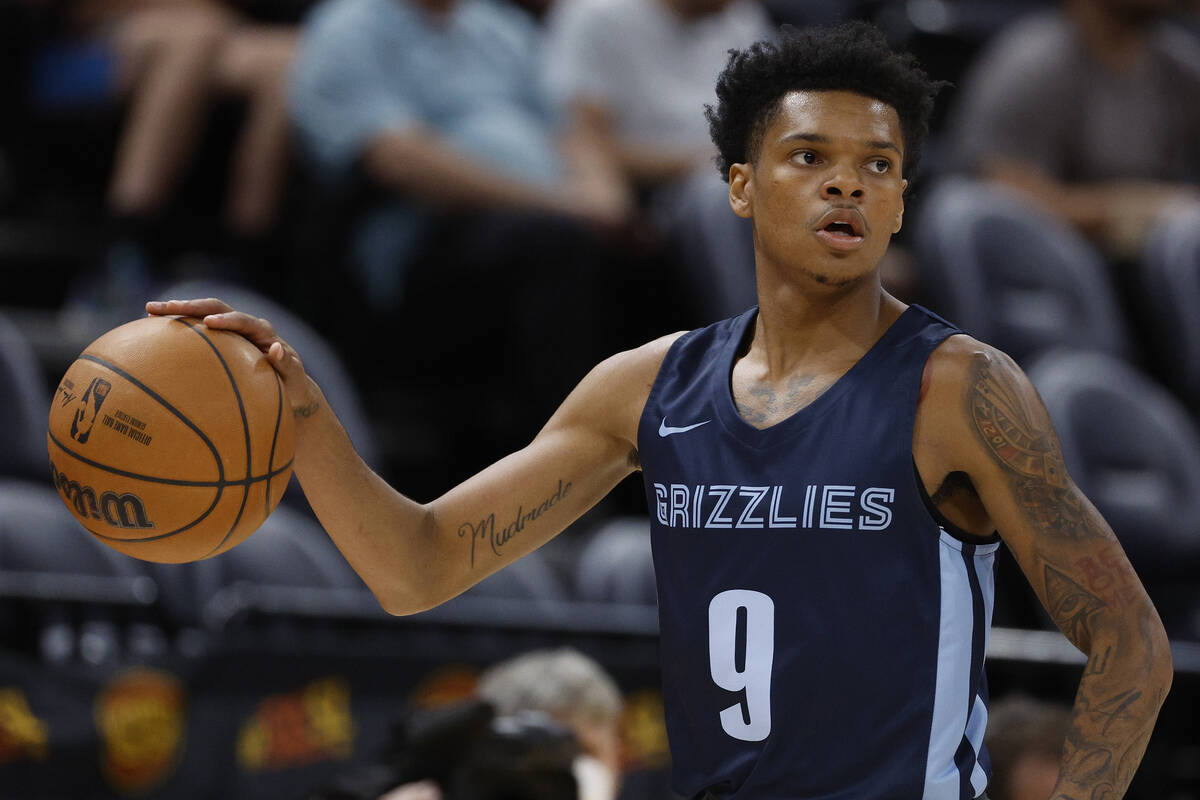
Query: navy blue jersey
[[822, 631]]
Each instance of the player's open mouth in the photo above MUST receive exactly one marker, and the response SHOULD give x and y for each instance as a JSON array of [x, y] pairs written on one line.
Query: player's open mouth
[[840, 236], [841, 228]]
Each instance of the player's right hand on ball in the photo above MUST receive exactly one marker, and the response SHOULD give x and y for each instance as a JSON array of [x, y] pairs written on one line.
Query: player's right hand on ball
[[219, 315]]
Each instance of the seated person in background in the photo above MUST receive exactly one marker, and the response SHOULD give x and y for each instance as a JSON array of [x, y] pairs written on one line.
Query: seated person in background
[[438, 102], [634, 77], [577, 692], [436, 105], [170, 59], [1025, 740], [573, 690], [1093, 111]]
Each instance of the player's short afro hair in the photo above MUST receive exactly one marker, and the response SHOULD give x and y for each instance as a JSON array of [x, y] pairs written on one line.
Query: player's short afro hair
[[853, 56]]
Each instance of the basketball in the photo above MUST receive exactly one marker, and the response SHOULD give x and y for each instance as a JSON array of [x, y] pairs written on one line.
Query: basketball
[[168, 441]]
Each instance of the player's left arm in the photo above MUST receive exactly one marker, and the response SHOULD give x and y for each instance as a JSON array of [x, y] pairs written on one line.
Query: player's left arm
[[1000, 434]]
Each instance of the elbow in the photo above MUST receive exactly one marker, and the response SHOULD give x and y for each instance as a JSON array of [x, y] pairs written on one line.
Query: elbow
[[415, 582], [1164, 665], [400, 603], [1158, 647]]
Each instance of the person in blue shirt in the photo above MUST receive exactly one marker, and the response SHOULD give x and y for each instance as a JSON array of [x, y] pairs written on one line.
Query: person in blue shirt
[[439, 104], [825, 472]]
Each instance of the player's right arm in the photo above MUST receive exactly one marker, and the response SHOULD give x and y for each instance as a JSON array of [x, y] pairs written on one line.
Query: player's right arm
[[414, 556]]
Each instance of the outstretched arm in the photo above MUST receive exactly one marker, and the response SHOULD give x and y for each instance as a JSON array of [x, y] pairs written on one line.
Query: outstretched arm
[[1000, 434], [414, 556]]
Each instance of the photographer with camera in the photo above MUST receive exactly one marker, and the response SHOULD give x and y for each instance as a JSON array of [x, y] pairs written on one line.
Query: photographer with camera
[[542, 726]]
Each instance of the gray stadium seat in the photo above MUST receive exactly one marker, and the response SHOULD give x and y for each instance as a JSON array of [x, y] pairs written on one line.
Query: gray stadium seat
[[289, 567], [50, 564], [24, 407], [529, 578], [615, 566], [320, 359], [39, 535], [1014, 275], [1171, 281], [290, 549], [1135, 453]]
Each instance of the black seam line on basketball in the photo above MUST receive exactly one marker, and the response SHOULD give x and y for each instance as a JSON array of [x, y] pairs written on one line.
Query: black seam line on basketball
[[274, 439], [160, 400], [170, 481], [245, 430]]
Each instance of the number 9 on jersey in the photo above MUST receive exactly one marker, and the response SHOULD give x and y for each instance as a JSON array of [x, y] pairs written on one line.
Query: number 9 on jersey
[[749, 719]]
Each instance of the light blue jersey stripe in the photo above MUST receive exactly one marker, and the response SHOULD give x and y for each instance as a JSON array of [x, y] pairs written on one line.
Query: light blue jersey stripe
[[952, 701]]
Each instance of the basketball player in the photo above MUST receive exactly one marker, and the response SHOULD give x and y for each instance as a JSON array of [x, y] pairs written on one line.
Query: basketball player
[[824, 472]]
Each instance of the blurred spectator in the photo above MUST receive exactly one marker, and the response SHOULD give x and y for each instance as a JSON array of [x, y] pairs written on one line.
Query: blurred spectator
[[1025, 740], [542, 725], [1094, 112], [634, 77], [574, 690], [438, 102], [170, 59], [480, 241]]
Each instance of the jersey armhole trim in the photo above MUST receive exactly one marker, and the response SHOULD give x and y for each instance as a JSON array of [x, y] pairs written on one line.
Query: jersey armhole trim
[[946, 525]]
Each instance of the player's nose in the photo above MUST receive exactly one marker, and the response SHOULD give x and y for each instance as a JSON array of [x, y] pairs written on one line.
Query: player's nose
[[842, 183]]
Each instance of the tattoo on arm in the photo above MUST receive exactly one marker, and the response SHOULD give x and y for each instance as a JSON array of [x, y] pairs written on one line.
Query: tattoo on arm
[[485, 530], [308, 410], [1086, 580], [1028, 450], [1071, 607]]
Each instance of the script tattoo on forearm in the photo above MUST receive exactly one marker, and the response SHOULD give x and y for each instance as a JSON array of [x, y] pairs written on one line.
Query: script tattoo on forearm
[[485, 530]]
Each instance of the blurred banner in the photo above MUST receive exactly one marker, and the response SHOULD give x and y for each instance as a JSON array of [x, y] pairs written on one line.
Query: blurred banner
[[235, 725]]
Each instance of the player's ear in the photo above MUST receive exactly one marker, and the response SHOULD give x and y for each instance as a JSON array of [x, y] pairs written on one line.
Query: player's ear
[[900, 211], [741, 190]]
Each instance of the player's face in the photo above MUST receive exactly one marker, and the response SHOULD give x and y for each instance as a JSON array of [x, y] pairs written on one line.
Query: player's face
[[826, 193]]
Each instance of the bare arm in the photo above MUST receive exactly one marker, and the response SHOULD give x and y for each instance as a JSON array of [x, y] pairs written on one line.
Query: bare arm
[[592, 131], [1119, 213], [998, 432], [414, 556], [421, 162]]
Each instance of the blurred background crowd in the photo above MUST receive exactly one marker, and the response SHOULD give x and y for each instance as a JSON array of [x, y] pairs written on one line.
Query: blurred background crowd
[[453, 208]]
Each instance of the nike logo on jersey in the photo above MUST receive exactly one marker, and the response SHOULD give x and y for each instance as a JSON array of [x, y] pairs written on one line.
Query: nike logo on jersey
[[666, 430]]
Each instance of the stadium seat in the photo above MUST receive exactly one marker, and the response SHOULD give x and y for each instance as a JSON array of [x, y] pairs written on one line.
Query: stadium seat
[[1171, 285], [529, 578], [320, 359], [289, 551], [615, 565], [1014, 275], [49, 566], [288, 567], [39, 535], [24, 406], [1133, 450]]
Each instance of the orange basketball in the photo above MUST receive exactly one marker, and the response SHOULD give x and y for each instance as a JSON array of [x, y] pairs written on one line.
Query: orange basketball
[[169, 441]]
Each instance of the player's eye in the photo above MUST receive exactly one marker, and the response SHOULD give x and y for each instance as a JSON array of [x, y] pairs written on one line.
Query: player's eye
[[805, 156], [879, 165]]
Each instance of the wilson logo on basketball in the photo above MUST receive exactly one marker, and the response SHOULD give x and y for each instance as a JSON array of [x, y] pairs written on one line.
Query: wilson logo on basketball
[[119, 510], [89, 409]]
